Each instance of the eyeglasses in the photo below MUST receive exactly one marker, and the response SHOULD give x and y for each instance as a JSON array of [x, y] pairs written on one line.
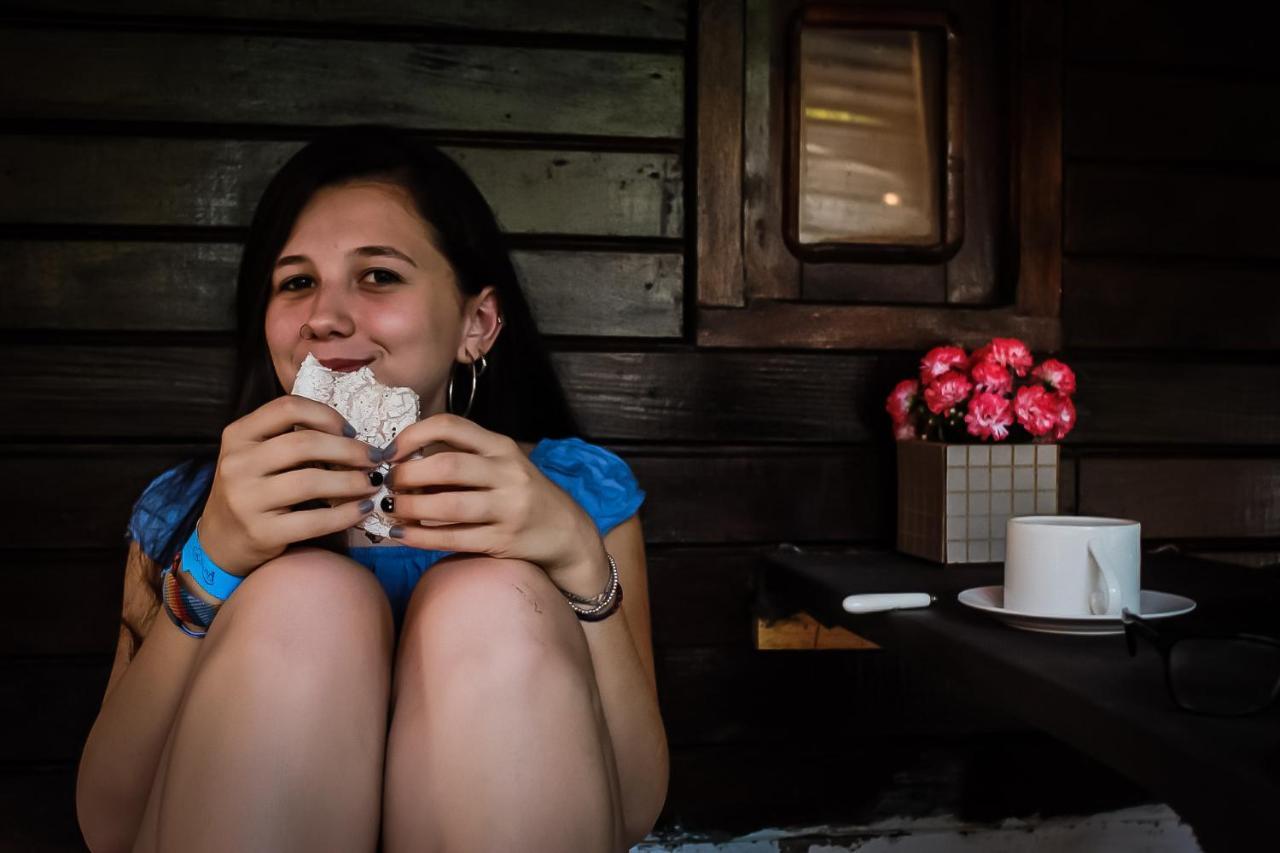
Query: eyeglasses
[[1221, 675]]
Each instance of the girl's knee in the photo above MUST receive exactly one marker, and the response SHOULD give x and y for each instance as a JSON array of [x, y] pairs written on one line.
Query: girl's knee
[[492, 613], [315, 592]]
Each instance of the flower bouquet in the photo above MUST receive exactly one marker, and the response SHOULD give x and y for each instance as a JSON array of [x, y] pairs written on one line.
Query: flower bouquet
[[959, 480]]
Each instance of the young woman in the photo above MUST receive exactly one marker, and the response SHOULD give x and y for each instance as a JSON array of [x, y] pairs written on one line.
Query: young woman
[[472, 683]]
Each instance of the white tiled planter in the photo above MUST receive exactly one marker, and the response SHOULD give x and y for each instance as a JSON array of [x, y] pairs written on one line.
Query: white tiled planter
[[954, 499]]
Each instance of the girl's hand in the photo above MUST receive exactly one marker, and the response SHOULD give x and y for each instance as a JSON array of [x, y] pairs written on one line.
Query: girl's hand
[[266, 465], [488, 496]]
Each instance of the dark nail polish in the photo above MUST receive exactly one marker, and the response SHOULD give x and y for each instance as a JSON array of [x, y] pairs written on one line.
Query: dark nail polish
[[348, 430], [375, 478], [388, 452], [366, 506], [386, 481], [375, 455], [388, 505], [397, 532]]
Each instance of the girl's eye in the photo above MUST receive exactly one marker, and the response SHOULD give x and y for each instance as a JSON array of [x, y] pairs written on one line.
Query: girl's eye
[[392, 278]]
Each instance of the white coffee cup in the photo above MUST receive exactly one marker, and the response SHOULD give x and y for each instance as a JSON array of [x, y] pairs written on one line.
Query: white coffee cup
[[1072, 565]]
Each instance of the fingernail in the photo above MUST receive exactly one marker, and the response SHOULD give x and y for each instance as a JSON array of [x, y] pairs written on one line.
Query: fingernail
[[388, 505], [375, 478], [397, 532], [388, 452], [348, 430], [375, 455], [366, 506], [386, 481]]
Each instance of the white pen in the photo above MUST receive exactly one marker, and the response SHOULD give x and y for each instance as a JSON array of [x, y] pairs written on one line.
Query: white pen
[[873, 602]]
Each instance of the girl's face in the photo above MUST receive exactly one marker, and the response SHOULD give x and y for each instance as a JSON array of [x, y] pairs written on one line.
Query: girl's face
[[361, 271]]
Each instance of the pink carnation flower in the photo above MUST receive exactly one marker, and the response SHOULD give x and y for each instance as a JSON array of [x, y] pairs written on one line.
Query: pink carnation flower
[[989, 416], [1066, 420], [947, 390], [1006, 352], [941, 359], [1056, 375], [1036, 408], [989, 376], [904, 431], [900, 399]]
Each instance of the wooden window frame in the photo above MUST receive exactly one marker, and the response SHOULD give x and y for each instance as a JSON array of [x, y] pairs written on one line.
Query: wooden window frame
[[752, 299]]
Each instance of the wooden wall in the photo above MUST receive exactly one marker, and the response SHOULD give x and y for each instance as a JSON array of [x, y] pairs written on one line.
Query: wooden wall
[[134, 140]]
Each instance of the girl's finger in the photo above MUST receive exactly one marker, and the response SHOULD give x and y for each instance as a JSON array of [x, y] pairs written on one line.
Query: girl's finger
[[461, 538], [456, 431], [445, 468], [447, 507]]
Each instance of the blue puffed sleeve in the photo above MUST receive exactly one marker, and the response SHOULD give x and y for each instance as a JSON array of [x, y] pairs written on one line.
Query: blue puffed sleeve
[[600, 481], [162, 504]]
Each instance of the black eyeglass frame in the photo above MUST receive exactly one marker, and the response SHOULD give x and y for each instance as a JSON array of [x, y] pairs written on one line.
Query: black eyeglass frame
[[1166, 640]]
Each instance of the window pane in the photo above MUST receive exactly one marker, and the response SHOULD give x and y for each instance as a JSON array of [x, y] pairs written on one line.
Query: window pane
[[870, 124]]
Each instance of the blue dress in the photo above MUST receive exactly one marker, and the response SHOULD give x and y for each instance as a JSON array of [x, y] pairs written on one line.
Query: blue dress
[[600, 481]]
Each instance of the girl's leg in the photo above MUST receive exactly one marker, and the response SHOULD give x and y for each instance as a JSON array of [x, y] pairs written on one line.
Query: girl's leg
[[498, 739], [278, 743]]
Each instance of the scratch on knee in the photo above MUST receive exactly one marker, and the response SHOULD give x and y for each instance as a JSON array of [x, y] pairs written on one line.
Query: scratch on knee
[[529, 598]]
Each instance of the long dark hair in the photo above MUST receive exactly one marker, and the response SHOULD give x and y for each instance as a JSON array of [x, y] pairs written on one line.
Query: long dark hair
[[519, 395]]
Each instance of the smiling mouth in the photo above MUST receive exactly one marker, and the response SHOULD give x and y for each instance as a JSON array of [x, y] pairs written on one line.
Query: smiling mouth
[[345, 366]]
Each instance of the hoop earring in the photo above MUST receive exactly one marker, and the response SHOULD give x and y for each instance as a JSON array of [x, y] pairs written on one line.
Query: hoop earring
[[475, 375]]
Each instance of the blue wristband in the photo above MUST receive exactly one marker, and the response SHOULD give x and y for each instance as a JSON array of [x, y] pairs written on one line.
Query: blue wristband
[[206, 573]]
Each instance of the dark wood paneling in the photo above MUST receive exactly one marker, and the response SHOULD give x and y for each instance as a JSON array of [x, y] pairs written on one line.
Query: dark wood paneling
[[95, 392], [696, 495], [1141, 33], [681, 396], [659, 19], [1185, 498], [1163, 211], [1129, 115], [47, 706], [1136, 305], [172, 77], [104, 285], [38, 809], [719, 190], [1147, 402], [198, 182]]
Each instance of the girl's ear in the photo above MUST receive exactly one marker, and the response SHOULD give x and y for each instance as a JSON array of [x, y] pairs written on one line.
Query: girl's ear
[[481, 326]]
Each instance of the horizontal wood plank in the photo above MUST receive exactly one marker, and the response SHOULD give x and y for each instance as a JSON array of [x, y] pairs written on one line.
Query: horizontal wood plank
[[217, 182], [1185, 498], [94, 393], [1171, 402], [657, 19], [694, 495], [1155, 33], [1139, 210], [212, 77], [101, 285], [1133, 115], [1150, 305], [802, 398]]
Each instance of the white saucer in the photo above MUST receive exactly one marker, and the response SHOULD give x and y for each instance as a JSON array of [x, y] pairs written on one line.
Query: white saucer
[[1155, 605]]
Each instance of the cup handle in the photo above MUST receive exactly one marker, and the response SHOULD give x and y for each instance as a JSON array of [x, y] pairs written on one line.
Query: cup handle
[[1104, 602]]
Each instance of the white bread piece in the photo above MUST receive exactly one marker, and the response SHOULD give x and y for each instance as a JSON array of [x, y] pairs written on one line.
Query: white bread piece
[[378, 412]]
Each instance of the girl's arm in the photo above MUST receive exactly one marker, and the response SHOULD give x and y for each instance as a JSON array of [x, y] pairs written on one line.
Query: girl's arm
[[122, 753]]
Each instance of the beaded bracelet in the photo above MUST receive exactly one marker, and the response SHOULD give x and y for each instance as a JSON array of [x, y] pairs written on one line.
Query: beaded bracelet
[[604, 604]]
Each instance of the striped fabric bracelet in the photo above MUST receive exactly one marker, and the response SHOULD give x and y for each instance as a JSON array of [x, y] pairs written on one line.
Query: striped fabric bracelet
[[184, 608]]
